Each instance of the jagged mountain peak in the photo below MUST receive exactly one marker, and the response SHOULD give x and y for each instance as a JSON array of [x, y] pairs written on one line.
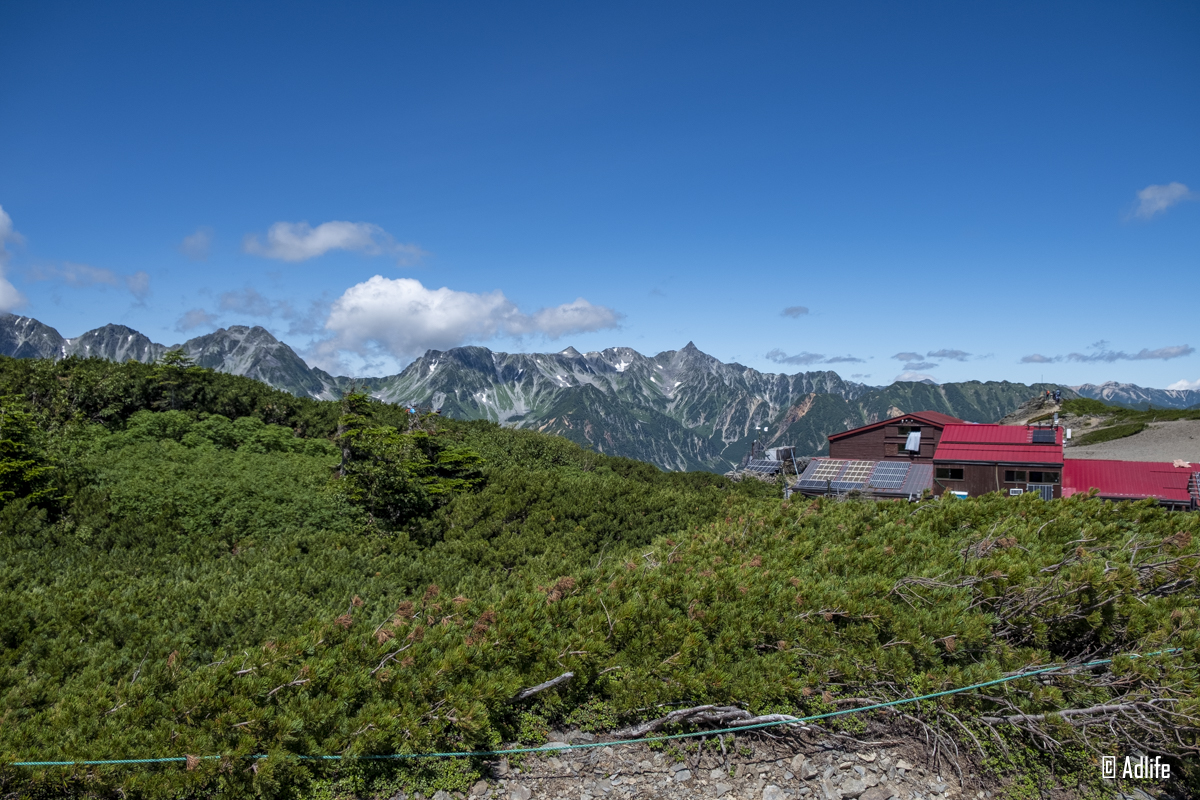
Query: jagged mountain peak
[[114, 343]]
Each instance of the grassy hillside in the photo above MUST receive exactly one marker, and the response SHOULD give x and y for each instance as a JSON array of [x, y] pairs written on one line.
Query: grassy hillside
[[179, 581]]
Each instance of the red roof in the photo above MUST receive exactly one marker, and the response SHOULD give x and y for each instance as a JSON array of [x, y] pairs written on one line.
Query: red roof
[[1132, 480], [1005, 444], [997, 434], [934, 418], [999, 453]]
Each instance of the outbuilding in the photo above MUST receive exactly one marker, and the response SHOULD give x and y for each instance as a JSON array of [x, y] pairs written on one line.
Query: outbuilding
[[973, 460]]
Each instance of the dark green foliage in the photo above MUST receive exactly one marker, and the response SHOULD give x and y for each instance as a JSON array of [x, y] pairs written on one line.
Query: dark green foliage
[[24, 469], [213, 587], [1110, 433], [397, 476], [1086, 406]]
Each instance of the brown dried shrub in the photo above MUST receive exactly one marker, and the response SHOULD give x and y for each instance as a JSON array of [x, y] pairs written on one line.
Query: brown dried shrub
[[561, 587], [344, 621], [417, 633], [431, 592], [384, 634], [405, 610]]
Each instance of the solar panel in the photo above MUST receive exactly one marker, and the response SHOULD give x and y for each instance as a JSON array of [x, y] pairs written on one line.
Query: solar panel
[[853, 476], [763, 466], [857, 471], [889, 474], [1043, 436], [827, 470]]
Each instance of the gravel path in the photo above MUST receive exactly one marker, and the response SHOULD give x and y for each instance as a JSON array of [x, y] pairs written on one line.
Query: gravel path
[[1161, 441], [748, 770]]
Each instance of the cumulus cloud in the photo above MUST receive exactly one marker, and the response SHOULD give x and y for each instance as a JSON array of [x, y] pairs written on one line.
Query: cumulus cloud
[[196, 245], [10, 298], [195, 318], [953, 355], [1157, 198], [805, 358], [405, 318], [299, 241], [794, 311], [1186, 385], [909, 375], [908, 356]]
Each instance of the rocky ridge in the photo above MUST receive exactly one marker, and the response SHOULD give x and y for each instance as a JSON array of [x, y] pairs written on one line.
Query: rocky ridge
[[680, 409]]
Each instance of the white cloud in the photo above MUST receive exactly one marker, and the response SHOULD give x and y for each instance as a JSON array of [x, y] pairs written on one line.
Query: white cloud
[[954, 355], [1038, 358], [1104, 354], [795, 312], [919, 365], [1186, 385], [405, 318], [298, 241], [10, 298], [196, 245], [1157, 198], [805, 358], [909, 375], [568, 318], [907, 356], [195, 318]]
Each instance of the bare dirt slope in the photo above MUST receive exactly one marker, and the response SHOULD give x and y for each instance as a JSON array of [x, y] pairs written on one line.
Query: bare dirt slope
[[1161, 441]]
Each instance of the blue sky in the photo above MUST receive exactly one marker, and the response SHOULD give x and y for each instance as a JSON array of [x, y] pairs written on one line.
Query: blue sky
[[954, 190]]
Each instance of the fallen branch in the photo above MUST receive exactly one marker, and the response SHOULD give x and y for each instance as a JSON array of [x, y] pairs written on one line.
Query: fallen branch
[[541, 687], [390, 656], [293, 683], [1070, 712], [720, 716]]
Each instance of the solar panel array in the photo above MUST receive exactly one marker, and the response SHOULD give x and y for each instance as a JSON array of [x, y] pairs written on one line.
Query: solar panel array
[[840, 475], [1043, 436], [853, 476], [889, 474], [818, 472], [763, 466]]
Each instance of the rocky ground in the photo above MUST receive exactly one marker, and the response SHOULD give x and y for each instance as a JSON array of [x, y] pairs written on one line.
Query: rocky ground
[[833, 769], [1161, 441]]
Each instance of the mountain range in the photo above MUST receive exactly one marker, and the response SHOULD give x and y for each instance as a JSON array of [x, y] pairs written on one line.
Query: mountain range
[[680, 409]]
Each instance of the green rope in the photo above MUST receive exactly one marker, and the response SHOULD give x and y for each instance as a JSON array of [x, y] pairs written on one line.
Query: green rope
[[544, 749]]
